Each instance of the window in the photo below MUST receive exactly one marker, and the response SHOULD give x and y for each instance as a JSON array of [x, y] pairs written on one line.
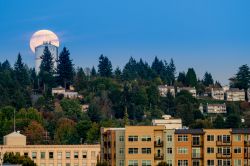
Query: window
[[169, 151], [237, 138], [223, 138], [237, 162], [210, 150], [146, 138], [224, 150], [26, 154], [132, 138], [67, 155], [146, 162], [51, 155], [121, 163], [133, 151], [67, 164], [182, 138], [121, 151], [146, 150], [133, 163], [84, 155], [169, 138], [182, 150], [196, 140], [182, 162], [76, 155], [42, 155], [237, 150], [121, 138], [93, 155], [210, 162], [169, 163], [196, 163], [33, 155], [196, 152], [210, 137], [59, 155]]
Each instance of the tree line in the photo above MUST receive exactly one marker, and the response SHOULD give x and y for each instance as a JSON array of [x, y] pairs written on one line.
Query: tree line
[[116, 97]]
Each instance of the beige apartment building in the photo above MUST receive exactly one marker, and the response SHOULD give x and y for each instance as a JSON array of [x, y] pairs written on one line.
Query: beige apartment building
[[51, 155], [149, 145]]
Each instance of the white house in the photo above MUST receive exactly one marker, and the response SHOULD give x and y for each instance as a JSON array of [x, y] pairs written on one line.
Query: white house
[[168, 121], [66, 93], [216, 108], [217, 93], [191, 90], [235, 94], [164, 89]]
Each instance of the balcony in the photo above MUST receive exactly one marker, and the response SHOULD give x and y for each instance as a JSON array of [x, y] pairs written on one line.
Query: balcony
[[197, 143], [158, 143], [223, 156], [197, 156], [223, 143], [159, 156], [247, 155], [247, 143]]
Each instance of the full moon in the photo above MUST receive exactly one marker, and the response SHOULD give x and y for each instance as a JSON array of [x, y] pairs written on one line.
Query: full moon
[[41, 36]]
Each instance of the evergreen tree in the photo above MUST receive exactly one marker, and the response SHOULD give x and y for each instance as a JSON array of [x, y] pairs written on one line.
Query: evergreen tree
[[65, 68], [182, 78], [242, 79], [93, 72], [104, 67], [47, 70], [21, 73], [171, 69], [208, 79], [129, 71], [191, 77], [118, 73]]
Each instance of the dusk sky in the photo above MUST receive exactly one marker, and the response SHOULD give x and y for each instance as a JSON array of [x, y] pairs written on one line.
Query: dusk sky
[[209, 35]]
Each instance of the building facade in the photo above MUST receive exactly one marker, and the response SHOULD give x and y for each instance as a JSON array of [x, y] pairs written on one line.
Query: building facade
[[235, 94], [191, 90], [149, 145], [164, 89], [51, 155], [168, 121], [217, 93], [216, 108]]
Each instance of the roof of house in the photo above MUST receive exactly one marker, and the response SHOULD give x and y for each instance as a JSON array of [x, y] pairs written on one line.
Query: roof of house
[[235, 90], [189, 131], [15, 134], [240, 131]]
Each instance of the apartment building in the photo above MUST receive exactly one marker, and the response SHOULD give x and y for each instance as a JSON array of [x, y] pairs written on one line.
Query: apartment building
[[149, 145], [217, 93], [164, 89], [191, 90], [51, 155], [235, 94], [216, 108]]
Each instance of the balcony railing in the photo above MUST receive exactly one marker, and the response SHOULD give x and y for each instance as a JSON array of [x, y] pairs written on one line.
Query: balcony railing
[[159, 156], [247, 143], [158, 143], [197, 143], [223, 156], [197, 156], [247, 155], [223, 143]]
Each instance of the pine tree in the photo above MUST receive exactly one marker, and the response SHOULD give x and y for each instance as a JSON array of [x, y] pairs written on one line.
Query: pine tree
[[47, 70], [93, 72], [104, 67], [65, 68], [191, 77], [171, 69], [208, 79], [182, 78], [118, 73], [126, 118], [129, 71], [21, 72]]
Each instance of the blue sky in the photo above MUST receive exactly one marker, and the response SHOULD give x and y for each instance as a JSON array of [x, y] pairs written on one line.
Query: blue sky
[[209, 35]]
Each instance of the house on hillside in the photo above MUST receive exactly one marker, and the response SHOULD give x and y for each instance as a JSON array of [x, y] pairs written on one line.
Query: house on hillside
[[66, 93], [235, 94], [191, 90], [164, 89], [217, 93]]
